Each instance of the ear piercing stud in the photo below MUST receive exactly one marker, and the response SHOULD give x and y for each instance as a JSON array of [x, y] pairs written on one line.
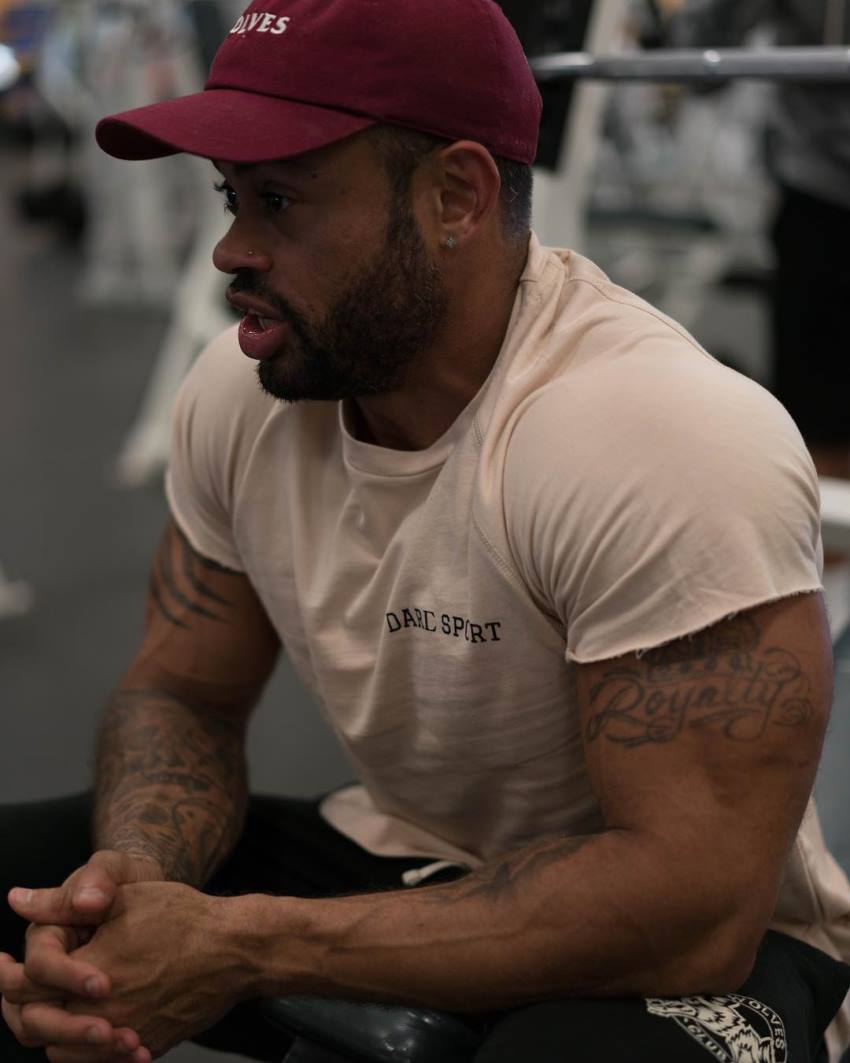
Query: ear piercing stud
[[451, 242]]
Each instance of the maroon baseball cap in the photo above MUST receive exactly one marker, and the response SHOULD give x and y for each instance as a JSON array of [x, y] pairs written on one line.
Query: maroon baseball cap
[[295, 75]]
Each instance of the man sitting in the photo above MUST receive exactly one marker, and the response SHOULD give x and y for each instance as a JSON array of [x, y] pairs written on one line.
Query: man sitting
[[550, 570]]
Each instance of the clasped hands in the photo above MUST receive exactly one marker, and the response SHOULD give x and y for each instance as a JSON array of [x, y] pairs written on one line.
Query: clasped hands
[[120, 966]]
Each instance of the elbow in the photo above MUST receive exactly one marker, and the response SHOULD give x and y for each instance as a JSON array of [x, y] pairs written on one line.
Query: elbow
[[719, 964], [717, 974]]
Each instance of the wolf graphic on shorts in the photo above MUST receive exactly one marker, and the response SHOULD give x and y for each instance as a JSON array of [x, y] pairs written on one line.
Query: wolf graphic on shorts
[[734, 1028]]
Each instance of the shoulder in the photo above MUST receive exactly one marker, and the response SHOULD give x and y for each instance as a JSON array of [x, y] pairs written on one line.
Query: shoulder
[[573, 316], [610, 402], [650, 404], [649, 448]]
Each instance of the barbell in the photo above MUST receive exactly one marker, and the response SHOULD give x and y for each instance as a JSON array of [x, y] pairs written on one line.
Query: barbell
[[823, 64]]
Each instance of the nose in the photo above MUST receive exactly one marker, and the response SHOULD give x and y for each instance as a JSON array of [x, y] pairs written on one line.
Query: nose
[[236, 251]]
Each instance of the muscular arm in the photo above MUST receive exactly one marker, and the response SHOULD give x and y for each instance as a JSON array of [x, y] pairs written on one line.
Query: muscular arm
[[702, 755], [171, 774]]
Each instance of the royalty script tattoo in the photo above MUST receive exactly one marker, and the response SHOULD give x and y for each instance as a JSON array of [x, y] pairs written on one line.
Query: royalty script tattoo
[[725, 680], [722, 680], [172, 778]]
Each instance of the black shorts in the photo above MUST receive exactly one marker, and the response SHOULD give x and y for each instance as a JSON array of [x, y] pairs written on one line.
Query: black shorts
[[811, 316], [777, 1016]]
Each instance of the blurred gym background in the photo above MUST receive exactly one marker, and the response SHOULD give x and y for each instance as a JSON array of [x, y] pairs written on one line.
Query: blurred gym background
[[107, 294]]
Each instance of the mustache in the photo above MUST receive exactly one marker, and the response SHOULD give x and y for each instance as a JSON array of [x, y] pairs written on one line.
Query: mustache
[[246, 284]]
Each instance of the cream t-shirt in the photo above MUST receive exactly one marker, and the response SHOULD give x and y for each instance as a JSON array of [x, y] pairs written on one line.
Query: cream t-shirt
[[611, 487]]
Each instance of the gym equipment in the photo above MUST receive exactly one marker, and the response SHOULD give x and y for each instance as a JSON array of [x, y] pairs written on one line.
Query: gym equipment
[[699, 65], [10, 69], [198, 309], [15, 598], [339, 1031]]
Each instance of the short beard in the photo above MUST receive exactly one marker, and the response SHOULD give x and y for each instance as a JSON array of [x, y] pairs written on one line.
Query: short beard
[[373, 333]]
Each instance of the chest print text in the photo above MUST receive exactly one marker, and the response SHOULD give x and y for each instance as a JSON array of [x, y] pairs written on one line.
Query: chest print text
[[445, 624]]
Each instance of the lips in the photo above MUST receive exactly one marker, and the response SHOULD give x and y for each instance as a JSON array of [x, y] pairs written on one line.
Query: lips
[[261, 331], [260, 337]]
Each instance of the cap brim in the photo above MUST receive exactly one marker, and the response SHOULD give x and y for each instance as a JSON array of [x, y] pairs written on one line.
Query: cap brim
[[225, 124]]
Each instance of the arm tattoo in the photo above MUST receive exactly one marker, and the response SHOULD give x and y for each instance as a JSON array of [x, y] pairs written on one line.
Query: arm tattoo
[[172, 783], [722, 679], [506, 875], [178, 590]]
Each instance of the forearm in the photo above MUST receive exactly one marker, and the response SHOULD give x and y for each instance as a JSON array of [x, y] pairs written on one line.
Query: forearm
[[171, 783], [603, 920]]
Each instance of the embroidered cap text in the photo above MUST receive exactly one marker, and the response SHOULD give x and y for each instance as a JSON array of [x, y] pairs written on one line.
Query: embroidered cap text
[[262, 22]]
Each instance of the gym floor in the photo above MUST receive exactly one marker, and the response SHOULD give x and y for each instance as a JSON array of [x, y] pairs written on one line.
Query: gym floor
[[73, 377]]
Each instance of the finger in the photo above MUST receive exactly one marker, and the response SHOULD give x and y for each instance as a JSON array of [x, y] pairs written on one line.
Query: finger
[[18, 989], [55, 906], [86, 895], [47, 1024], [48, 964], [12, 1017], [92, 888], [75, 1055], [125, 1048], [11, 976]]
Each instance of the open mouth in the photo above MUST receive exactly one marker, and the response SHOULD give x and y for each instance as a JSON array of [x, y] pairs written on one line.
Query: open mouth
[[260, 337]]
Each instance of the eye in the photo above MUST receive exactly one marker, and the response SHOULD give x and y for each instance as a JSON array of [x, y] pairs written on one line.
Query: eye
[[276, 203], [231, 200]]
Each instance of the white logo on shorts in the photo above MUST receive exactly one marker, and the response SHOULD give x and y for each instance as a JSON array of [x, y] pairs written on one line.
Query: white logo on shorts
[[734, 1029]]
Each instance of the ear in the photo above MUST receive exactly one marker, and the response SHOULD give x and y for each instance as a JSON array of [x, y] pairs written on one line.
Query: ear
[[461, 193]]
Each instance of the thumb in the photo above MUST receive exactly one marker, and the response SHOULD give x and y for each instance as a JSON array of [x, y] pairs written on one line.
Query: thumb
[[92, 891], [48, 906], [81, 901]]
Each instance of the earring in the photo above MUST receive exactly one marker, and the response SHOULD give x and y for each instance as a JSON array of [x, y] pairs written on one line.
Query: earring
[[250, 253], [451, 242]]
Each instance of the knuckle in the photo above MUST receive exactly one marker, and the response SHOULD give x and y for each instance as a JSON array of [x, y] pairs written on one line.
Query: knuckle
[[68, 937], [13, 989], [28, 1026], [35, 936], [106, 860], [36, 966]]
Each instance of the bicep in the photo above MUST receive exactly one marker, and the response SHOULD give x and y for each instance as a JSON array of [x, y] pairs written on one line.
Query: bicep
[[710, 745], [207, 636]]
